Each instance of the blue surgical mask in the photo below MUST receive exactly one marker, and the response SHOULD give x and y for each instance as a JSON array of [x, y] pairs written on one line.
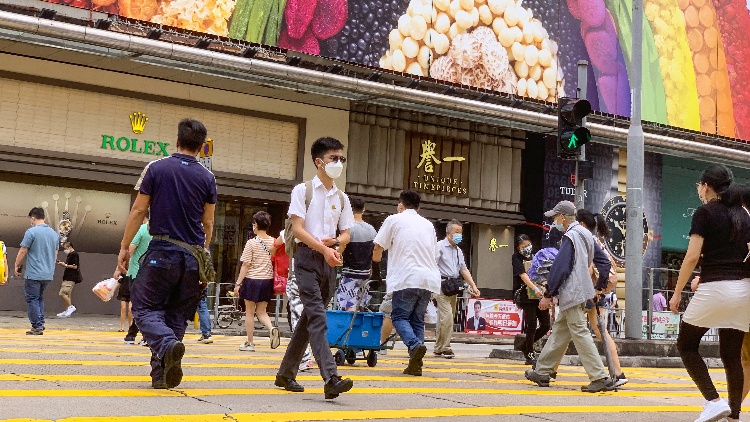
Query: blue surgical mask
[[457, 238], [560, 227]]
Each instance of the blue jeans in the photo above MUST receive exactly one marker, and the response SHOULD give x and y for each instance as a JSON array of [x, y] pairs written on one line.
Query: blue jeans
[[204, 317], [34, 292], [409, 307]]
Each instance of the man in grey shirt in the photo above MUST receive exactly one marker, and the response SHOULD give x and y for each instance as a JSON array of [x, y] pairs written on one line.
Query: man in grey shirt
[[357, 256], [39, 249], [451, 264]]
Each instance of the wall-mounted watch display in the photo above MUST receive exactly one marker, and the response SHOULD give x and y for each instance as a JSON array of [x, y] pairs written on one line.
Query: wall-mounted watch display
[[616, 218]]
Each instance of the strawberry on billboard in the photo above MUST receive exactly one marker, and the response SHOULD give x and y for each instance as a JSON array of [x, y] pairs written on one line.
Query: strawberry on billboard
[[694, 75], [490, 316]]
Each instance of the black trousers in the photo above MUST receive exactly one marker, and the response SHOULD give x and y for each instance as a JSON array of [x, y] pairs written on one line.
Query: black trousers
[[532, 314], [730, 350], [314, 280]]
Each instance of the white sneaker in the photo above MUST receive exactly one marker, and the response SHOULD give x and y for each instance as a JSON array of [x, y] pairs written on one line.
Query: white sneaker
[[63, 314], [70, 310], [306, 365], [247, 347], [714, 411]]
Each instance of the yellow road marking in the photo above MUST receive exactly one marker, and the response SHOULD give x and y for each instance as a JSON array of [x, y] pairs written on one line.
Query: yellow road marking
[[146, 378], [204, 392], [343, 415]]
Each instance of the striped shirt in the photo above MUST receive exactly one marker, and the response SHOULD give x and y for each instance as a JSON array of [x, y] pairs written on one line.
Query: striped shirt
[[254, 254]]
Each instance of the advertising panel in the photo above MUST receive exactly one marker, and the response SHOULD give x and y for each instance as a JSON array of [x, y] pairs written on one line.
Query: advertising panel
[[490, 316], [693, 71], [93, 220]]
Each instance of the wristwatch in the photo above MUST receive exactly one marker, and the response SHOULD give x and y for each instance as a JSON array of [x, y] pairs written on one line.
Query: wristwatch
[[336, 245], [547, 295]]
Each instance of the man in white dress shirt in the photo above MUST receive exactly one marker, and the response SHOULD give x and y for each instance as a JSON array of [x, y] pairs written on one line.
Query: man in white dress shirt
[[315, 265], [412, 273]]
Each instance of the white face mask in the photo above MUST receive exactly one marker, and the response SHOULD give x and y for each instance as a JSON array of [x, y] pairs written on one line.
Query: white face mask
[[333, 170], [66, 251]]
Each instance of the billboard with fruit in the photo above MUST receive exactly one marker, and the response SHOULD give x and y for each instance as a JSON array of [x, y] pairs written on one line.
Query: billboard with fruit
[[693, 49]]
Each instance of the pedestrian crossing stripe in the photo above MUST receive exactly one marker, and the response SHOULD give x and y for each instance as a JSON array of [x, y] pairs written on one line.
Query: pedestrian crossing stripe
[[270, 378], [207, 392], [202, 378], [344, 415]]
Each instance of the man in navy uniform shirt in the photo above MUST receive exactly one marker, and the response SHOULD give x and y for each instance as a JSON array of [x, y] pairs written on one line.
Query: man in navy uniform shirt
[[181, 194]]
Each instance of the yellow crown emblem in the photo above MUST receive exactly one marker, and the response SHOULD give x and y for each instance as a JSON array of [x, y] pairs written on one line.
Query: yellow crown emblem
[[138, 122]]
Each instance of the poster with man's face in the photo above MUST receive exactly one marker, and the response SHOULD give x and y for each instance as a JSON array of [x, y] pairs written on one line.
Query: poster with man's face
[[490, 316]]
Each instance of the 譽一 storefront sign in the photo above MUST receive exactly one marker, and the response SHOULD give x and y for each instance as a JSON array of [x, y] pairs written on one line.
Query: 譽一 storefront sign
[[436, 164]]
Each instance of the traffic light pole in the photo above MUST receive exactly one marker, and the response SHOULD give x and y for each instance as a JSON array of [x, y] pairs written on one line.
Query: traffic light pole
[[581, 93], [634, 199]]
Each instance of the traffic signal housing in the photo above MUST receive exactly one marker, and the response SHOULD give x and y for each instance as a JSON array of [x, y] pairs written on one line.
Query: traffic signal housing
[[570, 131]]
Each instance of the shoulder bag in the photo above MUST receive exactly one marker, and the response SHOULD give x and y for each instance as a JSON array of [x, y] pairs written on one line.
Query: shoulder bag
[[206, 271], [451, 286], [279, 282]]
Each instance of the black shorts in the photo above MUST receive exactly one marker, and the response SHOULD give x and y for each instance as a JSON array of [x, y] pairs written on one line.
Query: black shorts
[[123, 293], [256, 290]]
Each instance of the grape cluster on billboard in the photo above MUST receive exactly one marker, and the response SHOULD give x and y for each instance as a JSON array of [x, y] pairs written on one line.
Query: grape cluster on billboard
[[693, 69]]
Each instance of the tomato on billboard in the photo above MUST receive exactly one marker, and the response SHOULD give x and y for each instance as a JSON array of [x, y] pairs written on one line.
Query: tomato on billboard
[[694, 75], [490, 316]]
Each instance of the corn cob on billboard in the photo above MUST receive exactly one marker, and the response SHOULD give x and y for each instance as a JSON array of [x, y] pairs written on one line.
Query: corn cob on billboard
[[693, 69]]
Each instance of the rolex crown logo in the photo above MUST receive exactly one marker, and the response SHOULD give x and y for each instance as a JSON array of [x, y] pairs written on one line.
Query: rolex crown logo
[[138, 122]]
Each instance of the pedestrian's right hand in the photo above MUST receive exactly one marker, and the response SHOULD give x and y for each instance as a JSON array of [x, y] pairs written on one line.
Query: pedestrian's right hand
[[122, 262], [674, 303], [332, 257]]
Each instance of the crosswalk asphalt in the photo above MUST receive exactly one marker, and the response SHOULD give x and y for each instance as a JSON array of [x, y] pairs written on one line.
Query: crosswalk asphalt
[[83, 376]]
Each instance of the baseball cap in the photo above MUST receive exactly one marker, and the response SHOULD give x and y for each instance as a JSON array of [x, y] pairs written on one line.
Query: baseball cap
[[562, 207]]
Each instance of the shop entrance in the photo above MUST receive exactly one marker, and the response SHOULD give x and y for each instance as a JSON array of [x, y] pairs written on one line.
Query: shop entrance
[[233, 226]]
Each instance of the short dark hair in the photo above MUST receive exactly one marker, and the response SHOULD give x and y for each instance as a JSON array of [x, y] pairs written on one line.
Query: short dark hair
[[262, 219], [68, 245], [409, 199], [37, 213], [453, 222], [323, 145], [358, 204], [477, 303], [191, 134]]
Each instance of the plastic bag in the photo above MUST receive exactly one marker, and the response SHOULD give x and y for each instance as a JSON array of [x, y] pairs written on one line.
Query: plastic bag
[[105, 289], [430, 316]]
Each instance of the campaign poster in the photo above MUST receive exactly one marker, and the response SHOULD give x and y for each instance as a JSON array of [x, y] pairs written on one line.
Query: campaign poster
[[664, 325], [494, 317]]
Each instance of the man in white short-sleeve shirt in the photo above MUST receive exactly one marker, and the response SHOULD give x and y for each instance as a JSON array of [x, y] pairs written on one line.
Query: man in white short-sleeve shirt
[[412, 273], [315, 265]]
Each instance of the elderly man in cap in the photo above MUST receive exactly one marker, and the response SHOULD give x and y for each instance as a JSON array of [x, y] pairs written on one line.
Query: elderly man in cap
[[570, 281]]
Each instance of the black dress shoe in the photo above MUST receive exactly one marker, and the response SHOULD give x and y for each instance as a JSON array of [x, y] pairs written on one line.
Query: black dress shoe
[[336, 385], [288, 384]]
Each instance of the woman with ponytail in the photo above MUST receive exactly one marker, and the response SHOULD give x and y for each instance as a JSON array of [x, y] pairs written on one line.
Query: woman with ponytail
[[719, 236]]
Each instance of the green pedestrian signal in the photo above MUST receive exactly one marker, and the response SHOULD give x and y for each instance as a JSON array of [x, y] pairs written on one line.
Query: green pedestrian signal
[[571, 134]]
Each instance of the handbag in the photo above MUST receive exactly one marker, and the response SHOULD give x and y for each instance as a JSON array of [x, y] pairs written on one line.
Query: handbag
[[451, 286], [279, 282]]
